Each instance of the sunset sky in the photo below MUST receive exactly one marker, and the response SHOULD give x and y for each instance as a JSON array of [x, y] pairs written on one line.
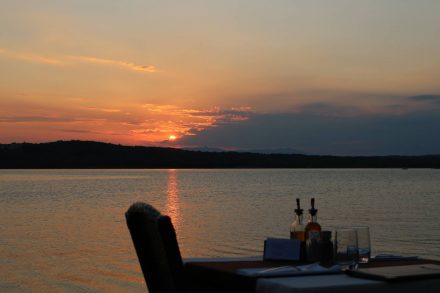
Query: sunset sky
[[319, 77]]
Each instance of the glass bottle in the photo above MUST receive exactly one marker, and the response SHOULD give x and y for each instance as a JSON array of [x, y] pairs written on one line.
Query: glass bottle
[[298, 229], [313, 235], [326, 248]]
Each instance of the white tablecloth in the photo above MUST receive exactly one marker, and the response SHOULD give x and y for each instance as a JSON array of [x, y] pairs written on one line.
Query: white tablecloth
[[341, 283]]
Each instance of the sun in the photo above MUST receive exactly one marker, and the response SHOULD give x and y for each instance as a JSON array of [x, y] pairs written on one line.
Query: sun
[[172, 138]]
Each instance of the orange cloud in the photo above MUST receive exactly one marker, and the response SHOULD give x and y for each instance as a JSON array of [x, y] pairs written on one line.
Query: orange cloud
[[122, 64], [107, 110], [30, 57], [67, 60], [168, 120], [148, 124]]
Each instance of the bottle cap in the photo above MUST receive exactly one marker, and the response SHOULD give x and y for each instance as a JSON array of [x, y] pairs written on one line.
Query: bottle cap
[[298, 210], [313, 211]]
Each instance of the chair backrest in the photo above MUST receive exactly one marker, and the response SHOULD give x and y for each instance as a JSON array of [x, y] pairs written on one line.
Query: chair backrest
[[157, 249]]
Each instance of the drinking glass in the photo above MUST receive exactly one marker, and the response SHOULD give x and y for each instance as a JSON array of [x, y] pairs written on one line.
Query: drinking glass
[[346, 248], [364, 245]]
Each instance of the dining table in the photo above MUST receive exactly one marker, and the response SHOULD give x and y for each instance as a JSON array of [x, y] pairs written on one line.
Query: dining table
[[227, 275]]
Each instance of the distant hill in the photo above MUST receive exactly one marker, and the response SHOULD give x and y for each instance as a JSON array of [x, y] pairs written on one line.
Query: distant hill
[[257, 151], [274, 151], [205, 149], [89, 154]]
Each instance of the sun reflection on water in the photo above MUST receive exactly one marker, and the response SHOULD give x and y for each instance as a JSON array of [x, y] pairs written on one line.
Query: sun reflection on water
[[172, 208]]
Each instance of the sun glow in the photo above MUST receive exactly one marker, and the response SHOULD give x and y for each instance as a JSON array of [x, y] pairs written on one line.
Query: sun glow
[[172, 138]]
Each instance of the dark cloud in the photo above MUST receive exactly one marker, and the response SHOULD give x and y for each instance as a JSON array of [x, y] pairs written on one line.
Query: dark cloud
[[82, 131], [435, 98], [329, 109], [312, 132], [39, 119], [228, 112], [17, 119], [76, 131], [135, 123]]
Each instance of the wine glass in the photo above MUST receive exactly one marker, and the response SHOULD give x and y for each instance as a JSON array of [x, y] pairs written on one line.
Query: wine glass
[[364, 244], [346, 248]]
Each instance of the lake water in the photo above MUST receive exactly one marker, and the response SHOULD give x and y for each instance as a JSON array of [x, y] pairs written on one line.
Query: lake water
[[65, 231]]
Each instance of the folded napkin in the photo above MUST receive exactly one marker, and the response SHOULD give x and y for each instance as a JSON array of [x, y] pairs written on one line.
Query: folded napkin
[[397, 273], [385, 256], [311, 269]]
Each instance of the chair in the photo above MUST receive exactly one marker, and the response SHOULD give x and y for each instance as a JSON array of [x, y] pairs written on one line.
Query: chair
[[157, 249]]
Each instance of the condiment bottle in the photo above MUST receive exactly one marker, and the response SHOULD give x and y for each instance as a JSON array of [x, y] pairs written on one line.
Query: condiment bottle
[[297, 229], [326, 248], [313, 235]]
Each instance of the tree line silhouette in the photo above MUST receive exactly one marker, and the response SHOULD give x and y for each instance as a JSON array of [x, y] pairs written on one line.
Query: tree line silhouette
[[90, 154]]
